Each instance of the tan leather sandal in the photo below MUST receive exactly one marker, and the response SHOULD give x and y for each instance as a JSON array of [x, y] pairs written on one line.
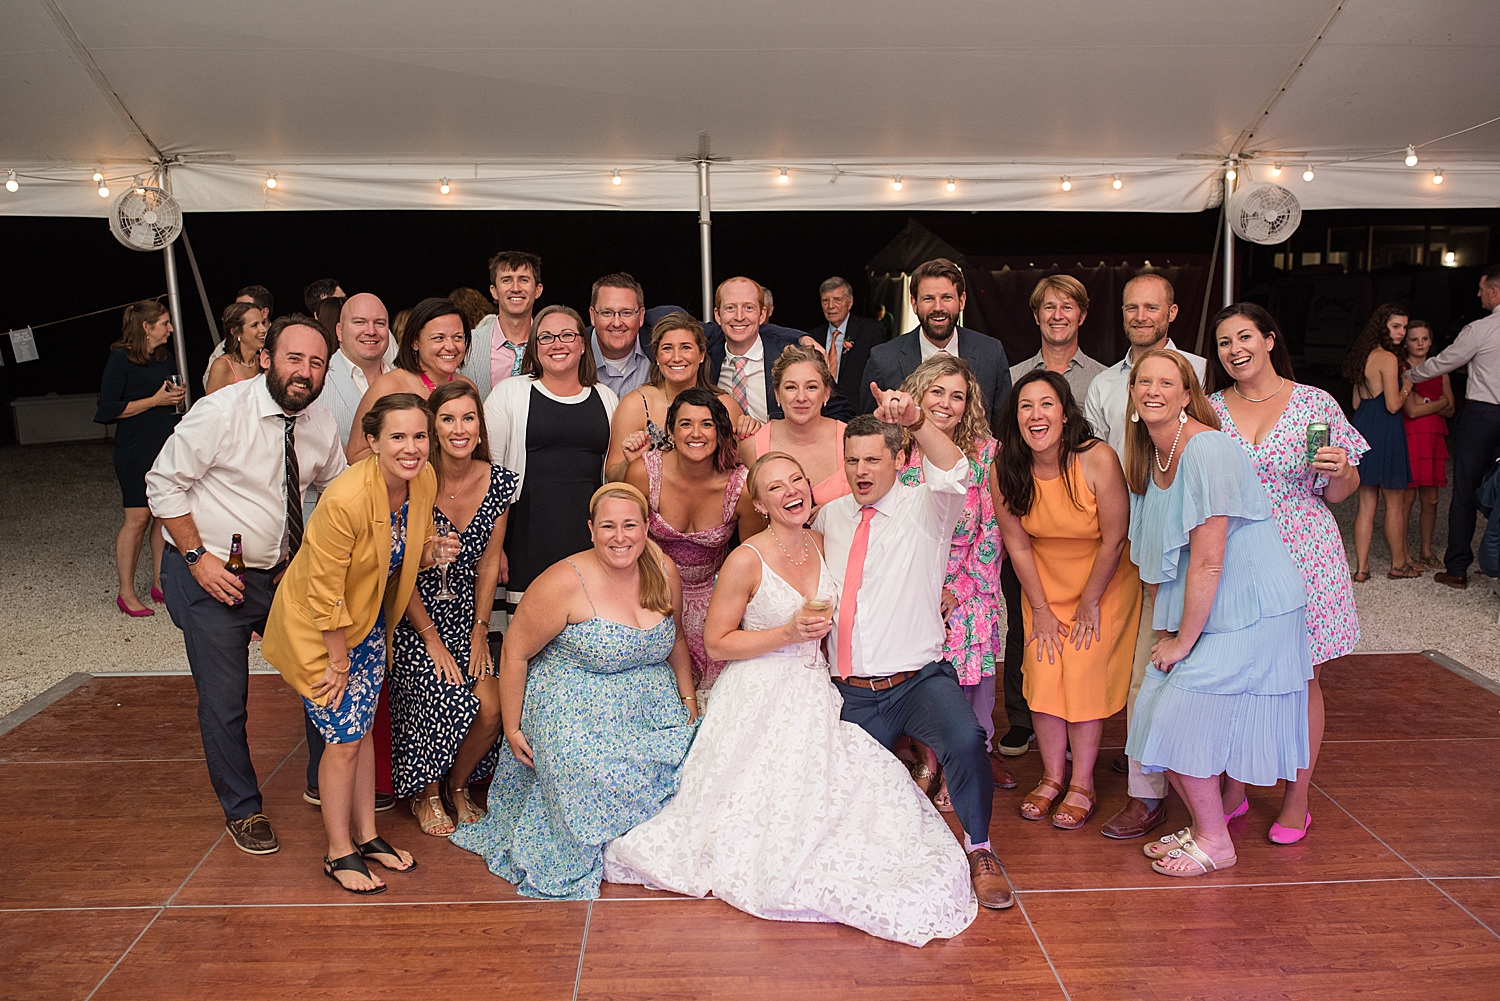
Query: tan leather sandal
[[1066, 818], [1035, 807], [468, 812], [436, 822]]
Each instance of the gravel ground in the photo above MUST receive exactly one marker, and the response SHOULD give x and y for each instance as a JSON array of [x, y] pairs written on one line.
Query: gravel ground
[[57, 577]]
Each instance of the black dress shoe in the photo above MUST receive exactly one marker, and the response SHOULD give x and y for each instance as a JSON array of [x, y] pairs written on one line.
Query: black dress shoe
[[384, 801], [1121, 763], [1016, 742]]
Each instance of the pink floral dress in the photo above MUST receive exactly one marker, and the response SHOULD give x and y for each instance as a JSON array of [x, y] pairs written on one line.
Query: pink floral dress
[[976, 626], [1306, 525]]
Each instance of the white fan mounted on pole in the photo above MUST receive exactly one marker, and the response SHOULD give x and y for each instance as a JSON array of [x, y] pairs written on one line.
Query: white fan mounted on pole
[[1264, 213], [145, 218]]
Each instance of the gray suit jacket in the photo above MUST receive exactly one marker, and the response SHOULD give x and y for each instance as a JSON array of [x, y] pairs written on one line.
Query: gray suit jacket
[[477, 362], [890, 363]]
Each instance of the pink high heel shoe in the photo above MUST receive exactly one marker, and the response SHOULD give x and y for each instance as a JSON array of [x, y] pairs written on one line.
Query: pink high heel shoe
[[133, 613], [1239, 811], [157, 596], [1289, 835]]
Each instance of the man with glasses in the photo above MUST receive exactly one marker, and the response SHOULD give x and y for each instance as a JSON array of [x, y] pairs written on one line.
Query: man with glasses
[[499, 341], [617, 310]]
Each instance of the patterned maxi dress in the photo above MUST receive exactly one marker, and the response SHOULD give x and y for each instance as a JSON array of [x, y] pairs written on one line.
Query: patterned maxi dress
[[1306, 525], [698, 556], [429, 716], [976, 626]]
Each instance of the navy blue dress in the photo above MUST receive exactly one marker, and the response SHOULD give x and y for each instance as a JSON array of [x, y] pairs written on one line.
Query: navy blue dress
[[1384, 465], [138, 439]]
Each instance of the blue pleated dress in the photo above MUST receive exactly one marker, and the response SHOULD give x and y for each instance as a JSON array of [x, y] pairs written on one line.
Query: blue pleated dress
[[1238, 702]]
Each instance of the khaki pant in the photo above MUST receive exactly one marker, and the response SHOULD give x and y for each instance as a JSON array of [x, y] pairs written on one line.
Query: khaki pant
[[1143, 785]]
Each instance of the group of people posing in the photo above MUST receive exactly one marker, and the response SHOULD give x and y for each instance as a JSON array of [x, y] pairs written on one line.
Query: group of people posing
[[755, 605]]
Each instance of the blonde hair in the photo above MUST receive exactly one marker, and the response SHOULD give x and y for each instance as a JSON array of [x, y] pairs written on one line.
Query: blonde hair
[[972, 428], [654, 592], [1063, 285], [1138, 445], [800, 354], [754, 475]]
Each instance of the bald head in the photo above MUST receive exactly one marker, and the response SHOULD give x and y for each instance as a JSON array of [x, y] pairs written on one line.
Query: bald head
[[364, 329]]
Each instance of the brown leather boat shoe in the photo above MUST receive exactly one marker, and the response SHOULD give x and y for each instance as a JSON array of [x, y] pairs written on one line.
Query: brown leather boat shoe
[[990, 886], [1135, 820], [1001, 773]]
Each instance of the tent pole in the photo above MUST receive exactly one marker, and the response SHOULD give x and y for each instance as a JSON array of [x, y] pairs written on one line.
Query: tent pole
[[208, 314], [174, 305], [1228, 247], [705, 241], [1208, 280]]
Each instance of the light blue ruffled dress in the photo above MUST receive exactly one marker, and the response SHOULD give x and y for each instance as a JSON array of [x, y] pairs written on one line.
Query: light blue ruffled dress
[[1237, 703]]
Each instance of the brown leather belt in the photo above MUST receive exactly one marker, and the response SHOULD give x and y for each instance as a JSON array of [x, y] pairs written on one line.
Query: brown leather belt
[[879, 684]]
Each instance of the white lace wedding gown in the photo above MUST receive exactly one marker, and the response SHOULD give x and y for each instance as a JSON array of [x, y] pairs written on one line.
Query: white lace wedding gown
[[788, 813]]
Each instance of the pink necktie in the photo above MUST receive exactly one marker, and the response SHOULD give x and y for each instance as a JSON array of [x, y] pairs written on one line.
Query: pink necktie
[[854, 572]]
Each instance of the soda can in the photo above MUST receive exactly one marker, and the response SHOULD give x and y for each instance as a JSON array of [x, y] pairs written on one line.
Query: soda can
[[1317, 437]]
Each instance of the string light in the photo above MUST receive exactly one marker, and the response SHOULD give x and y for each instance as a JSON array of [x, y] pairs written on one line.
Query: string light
[[98, 177], [1276, 169], [1411, 156], [1229, 172], [11, 184], [783, 178], [615, 178], [1067, 184], [896, 184], [952, 184], [1308, 175], [1437, 176], [444, 186], [271, 181], [103, 190], [1117, 184]]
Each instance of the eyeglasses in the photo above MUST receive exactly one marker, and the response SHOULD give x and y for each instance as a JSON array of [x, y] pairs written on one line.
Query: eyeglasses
[[609, 314], [565, 337]]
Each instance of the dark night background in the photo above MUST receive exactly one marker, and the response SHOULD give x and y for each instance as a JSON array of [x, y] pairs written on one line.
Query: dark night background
[[58, 267]]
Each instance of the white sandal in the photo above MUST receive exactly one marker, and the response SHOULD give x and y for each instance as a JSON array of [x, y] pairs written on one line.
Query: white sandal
[[1200, 858]]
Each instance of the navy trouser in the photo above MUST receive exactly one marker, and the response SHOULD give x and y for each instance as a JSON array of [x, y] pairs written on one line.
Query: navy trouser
[[929, 707], [1474, 442], [217, 637], [1017, 712]]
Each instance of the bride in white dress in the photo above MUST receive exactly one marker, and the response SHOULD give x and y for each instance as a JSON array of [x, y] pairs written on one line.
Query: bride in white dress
[[784, 811]]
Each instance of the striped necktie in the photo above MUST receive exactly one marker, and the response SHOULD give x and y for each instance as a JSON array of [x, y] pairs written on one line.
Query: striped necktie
[[737, 390], [293, 488]]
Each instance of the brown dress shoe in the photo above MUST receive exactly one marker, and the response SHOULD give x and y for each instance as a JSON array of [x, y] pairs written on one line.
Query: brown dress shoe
[[1135, 820], [1001, 773], [1451, 581], [253, 835], [990, 886]]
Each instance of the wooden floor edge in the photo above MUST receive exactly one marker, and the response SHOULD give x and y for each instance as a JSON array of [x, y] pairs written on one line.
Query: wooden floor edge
[[1462, 670], [31, 707]]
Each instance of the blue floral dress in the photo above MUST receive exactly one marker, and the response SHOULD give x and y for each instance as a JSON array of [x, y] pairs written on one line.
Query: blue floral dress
[[609, 734], [352, 717], [430, 717]]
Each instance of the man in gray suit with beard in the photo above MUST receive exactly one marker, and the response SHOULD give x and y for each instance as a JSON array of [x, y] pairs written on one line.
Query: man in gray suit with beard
[[937, 297]]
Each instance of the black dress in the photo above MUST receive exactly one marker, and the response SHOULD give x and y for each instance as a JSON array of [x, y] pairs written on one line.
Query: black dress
[[138, 439], [565, 448]]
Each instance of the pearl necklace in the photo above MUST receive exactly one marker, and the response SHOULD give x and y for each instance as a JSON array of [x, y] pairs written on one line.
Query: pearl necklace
[[1263, 399], [1156, 452], [795, 563]]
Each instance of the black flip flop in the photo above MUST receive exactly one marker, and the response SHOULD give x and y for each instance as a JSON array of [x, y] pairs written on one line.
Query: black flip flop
[[378, 846], [349, 863]]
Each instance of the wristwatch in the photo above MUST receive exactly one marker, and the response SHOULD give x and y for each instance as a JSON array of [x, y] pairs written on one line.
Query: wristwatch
[[191, 556]]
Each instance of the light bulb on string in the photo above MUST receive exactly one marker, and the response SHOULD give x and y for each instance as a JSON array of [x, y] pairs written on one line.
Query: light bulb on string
[[271, 181], [1276, 169], [98, 177], [1411, 156], [896, 184], [443, 186], [1067, 183], [1117, 184], [1437, 176], [103, 190], [615, 178], [1229, 172], [782, 178], [11, 184], [952, 184], [1308, 175]]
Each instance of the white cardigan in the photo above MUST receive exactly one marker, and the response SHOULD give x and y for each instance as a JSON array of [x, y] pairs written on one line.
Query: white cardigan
[[506, 411]]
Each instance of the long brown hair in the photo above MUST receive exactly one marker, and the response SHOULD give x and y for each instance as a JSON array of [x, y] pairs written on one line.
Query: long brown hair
[[531, 360], [654, 592], [447, 393], [1281, 359], [972, 427], [1013, 462], [666, 325], [1138, 446], [1375, 335], [232, 322], [139, 316]]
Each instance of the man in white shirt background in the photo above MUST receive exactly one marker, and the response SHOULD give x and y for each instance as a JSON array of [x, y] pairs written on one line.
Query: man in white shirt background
[[363, 334], [887, 545], [1149, 308], [499, 341], [617, 308], [238, 464]]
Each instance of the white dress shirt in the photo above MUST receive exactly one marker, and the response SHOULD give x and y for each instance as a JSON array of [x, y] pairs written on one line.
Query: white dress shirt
[[755, 378], [897, 625], [1477, 346], [929, 349], [343, 387], [1105, 404], [225, 465]]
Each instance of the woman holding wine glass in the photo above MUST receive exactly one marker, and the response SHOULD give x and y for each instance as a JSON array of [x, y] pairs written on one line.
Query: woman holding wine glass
[[432, 347], [445, 700]]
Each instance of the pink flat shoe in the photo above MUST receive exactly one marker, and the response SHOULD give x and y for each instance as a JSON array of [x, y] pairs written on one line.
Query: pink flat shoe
[[1239, 811], [1289, 835], [132, 612], [157, 596]]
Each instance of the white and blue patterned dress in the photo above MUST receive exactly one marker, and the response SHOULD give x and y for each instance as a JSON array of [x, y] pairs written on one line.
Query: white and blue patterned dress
[[609, 733], [352, 717]]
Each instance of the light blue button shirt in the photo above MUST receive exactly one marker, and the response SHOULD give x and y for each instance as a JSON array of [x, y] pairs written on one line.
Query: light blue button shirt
[[624, 376]]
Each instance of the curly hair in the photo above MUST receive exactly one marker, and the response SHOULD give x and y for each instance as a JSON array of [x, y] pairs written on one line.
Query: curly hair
[[1013, 463], [1373, 337], [972, 427]]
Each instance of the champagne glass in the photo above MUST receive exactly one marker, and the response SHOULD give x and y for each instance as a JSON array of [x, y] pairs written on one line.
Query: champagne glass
[[822, 606], [176, 380], [442, 556]]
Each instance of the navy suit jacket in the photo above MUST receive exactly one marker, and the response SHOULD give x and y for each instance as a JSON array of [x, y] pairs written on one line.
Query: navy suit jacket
[[890, 363], [861, 335], [776, 340]]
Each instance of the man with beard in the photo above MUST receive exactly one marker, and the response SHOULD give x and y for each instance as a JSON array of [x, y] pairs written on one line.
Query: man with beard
[[236, 468], [937, 297], [1149, 309]]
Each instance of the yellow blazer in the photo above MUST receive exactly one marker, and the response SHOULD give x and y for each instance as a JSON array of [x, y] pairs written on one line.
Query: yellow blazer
[[338, 577]]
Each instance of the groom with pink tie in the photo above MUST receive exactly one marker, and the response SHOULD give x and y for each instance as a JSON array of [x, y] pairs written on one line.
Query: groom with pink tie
[[887, 545]]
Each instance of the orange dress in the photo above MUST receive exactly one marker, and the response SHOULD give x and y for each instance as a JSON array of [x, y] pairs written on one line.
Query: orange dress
[[1084, 684]]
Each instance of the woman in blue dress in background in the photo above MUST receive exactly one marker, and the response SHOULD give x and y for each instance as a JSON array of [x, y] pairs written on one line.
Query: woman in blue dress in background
[[1373, 368], [1227, 692], [597, 705], [445, 701]]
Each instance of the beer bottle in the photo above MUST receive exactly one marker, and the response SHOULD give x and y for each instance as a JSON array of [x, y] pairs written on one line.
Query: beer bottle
[[236, 562]]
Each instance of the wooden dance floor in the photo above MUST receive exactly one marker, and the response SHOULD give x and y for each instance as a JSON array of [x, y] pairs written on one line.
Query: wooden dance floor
[[118, 882]]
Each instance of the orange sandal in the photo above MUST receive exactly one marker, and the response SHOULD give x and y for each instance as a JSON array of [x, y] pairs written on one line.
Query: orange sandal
[[1040, 806], [1065, 819]]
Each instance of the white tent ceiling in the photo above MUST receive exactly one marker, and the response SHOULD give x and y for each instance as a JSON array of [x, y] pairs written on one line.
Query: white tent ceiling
[[367, 103]]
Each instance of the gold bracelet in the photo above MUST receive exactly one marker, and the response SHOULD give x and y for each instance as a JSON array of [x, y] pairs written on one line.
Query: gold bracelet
[[430, 625], [337, 671]]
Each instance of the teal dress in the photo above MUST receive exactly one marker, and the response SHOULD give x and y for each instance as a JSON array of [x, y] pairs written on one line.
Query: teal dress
[[1237, 703], [609, 733]]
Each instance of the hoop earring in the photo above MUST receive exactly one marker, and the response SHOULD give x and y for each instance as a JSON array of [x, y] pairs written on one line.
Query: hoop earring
[[1182, 416], [1135, 417]]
